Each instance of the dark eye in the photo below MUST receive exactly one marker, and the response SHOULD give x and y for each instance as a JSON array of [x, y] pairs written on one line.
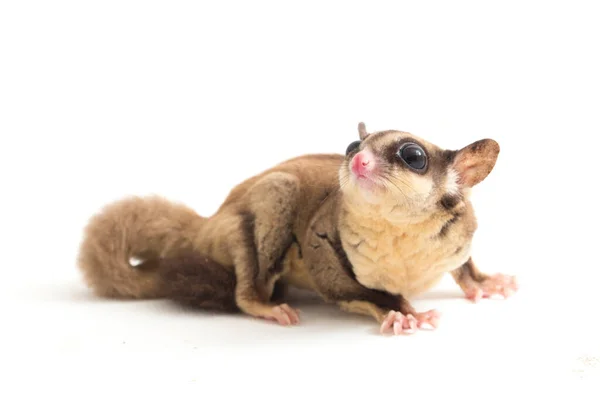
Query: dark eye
[[413, 155], [352, 146]]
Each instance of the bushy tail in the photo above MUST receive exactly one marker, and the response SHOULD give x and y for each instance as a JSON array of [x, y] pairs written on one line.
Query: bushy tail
[[122, 245]]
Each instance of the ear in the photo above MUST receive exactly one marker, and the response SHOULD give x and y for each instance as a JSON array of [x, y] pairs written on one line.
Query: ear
[[475, 162], [362, 131]]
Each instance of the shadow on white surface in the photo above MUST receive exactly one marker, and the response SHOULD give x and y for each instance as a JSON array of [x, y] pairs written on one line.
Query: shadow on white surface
[[150, 346]]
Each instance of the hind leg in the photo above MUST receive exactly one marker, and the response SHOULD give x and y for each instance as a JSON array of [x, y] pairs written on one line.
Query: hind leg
[[196, 281], [265, 234]]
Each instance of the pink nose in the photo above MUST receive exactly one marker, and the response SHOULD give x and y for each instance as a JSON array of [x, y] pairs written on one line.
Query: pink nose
[[362, 163]]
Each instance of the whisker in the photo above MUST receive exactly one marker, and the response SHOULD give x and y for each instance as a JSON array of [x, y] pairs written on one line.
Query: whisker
[[343, 181], [387, 182]]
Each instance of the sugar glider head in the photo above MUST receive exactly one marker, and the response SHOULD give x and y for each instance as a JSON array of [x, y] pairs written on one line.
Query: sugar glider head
[[401, 171]]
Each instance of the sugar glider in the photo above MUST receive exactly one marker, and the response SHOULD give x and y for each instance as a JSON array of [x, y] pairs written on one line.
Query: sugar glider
[[367, 230]]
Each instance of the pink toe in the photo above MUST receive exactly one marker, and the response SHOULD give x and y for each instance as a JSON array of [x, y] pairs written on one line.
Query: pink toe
[[412, 322], [397, 328], [386, 325], [388, 322]]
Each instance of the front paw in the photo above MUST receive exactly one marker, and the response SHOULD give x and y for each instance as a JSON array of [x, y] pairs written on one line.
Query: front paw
[[494, 285], [399, 323]]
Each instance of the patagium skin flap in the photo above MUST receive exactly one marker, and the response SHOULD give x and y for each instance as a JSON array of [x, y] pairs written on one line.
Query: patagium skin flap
[[367, 230]]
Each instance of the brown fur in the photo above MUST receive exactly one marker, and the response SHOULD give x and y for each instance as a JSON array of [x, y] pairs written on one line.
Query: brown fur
[[194, 280], [148, 228], [468, 273], [305, 222]]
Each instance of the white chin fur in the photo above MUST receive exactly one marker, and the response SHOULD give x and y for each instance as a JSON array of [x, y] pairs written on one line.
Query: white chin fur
[[369, 196], [369, 191]]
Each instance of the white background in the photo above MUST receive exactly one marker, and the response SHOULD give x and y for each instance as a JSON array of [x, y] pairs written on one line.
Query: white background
[[185, 99]]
